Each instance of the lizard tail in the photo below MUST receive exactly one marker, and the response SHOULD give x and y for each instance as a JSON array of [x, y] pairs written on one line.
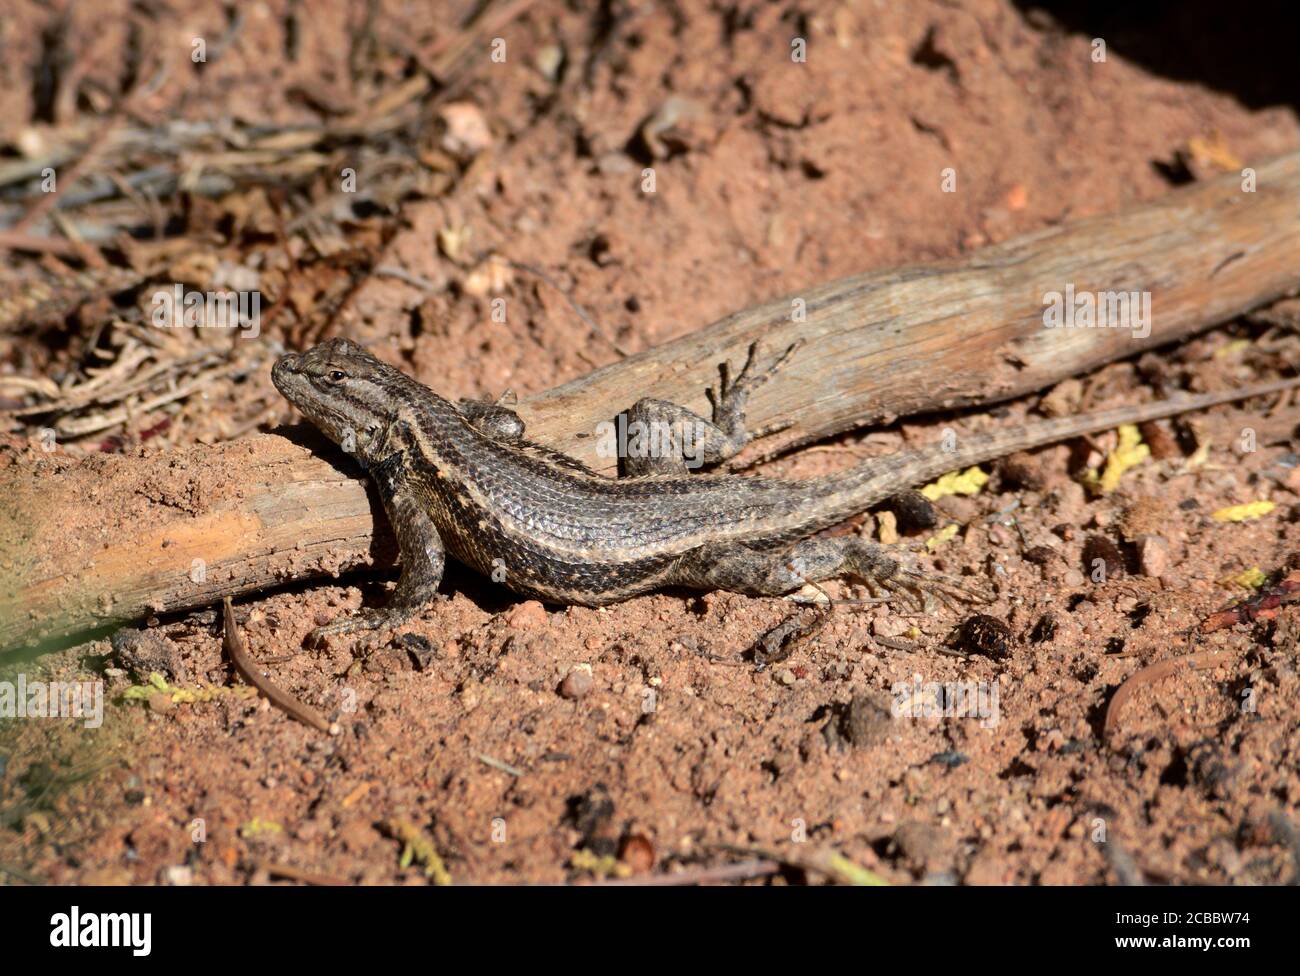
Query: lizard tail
[[871, 482]]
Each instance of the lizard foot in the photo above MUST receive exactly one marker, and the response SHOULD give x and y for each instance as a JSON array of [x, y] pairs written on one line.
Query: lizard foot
[[363, 620], [729, 397], [915, 590]]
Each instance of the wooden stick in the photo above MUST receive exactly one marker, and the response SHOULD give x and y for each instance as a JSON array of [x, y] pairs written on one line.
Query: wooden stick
[[265, 510]]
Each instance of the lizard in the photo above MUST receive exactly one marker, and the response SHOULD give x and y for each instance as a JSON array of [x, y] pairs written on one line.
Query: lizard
[[463, 479]]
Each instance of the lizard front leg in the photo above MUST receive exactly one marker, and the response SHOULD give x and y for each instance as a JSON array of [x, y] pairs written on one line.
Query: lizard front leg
[[422, 552], [660, 423]]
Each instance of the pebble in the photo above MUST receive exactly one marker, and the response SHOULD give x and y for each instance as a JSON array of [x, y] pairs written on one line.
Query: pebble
[[958, 508], [467, 131], [1153, 556], [925, 846], [889, 625], [1041, 555], [577, 683], [638, 853], [529, 615], [888, 528], [1069, 501], [177, 875], [548, 60], [867, 720]]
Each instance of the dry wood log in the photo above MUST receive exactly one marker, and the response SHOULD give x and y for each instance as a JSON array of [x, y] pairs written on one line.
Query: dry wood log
[[93, 542]]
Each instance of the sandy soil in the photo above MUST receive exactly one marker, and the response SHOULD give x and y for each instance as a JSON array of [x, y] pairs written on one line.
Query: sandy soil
[[469, 731]]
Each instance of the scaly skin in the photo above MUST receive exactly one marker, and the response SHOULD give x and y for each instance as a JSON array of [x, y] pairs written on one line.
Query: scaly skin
[[461, 478]]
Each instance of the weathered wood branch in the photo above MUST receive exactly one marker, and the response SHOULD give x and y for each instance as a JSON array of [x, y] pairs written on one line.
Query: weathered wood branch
[[88, 543]]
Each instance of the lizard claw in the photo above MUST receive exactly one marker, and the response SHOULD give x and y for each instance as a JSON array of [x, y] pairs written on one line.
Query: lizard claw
[[730, 395], [362, 620], [917, 591]]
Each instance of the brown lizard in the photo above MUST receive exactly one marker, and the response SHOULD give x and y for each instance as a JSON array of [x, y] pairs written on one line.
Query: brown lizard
[[462, 479]]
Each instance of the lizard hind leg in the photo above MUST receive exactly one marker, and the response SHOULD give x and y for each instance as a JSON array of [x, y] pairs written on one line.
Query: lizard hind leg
[[775, 572]]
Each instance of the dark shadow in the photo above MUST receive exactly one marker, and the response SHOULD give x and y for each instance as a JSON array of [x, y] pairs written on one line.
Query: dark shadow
[[309, 438], [1247, 51]]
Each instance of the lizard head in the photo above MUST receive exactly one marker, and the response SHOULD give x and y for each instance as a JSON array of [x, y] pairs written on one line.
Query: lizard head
[[342, 389]]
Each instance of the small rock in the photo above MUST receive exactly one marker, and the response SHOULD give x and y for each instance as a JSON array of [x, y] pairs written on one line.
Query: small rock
[[614, 163], [637, 853], [145, 651], [467, 133], [1041, 555], [925, 847], [1153, 556], [549, 59], [177, 875], [888, 528], [866, 721], [889, 625], [959, 508], [1021, 472], [577, 683], [529, 615]]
